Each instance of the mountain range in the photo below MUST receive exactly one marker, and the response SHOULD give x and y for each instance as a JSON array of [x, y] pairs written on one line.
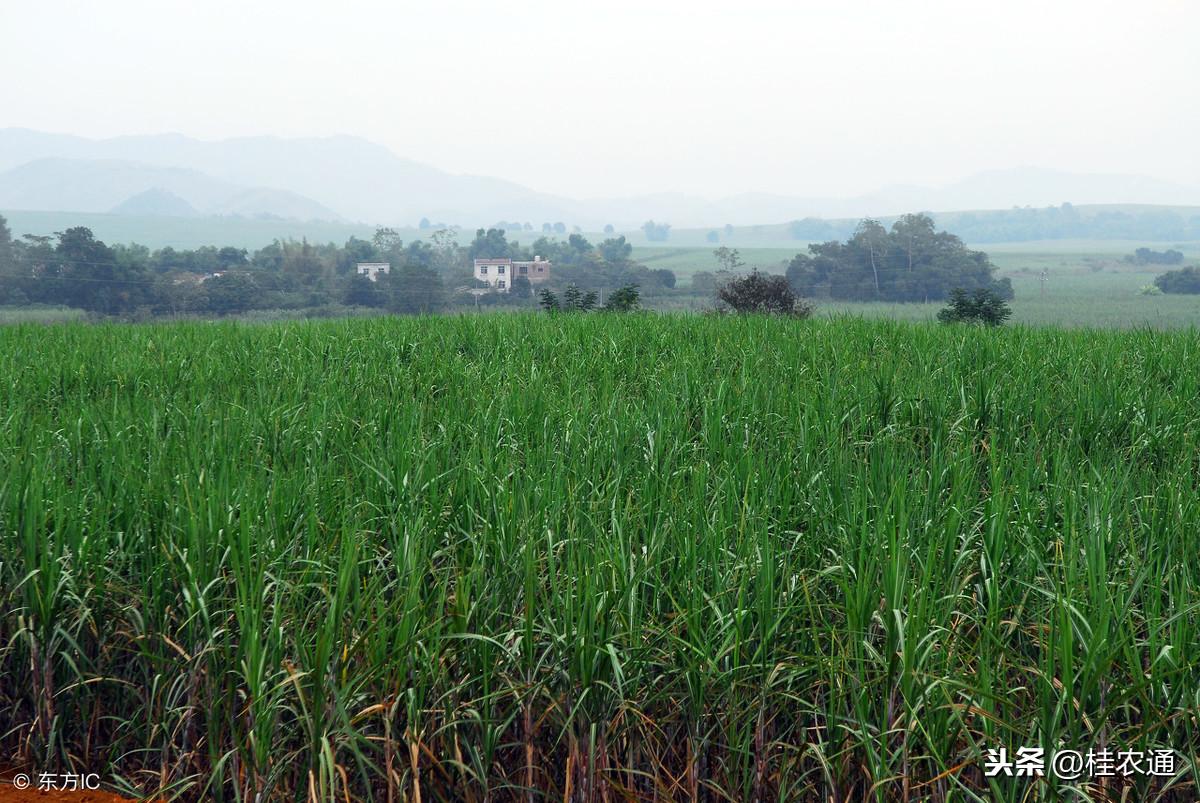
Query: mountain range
[[344, 178]]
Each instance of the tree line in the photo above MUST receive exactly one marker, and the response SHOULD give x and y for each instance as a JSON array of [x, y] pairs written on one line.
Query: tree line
[[73, 268], [911, 261], [1024, 224]]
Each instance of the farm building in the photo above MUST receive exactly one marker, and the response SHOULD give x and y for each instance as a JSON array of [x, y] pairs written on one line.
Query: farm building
[[372, 269], [499, 273]]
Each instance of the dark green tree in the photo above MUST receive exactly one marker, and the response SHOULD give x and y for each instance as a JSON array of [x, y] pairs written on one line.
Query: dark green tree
[[521, 288], [362, 292], [414, 290], [911, 262], [665, 277], [230, 293], [615, 250], [576, 299], [490, 244], [623, 299], [982, 305], [1184, 280]]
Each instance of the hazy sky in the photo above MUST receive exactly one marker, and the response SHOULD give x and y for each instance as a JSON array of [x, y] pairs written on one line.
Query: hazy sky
[[588, 99]]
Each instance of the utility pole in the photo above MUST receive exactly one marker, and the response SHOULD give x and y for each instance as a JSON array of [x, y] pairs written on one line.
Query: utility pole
[[1043, 281]]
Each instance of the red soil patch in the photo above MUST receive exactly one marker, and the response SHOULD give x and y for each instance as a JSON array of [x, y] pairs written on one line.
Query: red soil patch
[[10, 794]]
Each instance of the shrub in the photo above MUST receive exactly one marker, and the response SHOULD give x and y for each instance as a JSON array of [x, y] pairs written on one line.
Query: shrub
[[985, 305], [764, 293]]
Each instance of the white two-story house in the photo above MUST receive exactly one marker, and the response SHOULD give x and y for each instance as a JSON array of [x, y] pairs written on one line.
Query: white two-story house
[[499, 273]]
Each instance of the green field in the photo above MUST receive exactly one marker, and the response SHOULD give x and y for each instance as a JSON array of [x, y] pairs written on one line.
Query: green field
[[597, 558], [1087, 283]]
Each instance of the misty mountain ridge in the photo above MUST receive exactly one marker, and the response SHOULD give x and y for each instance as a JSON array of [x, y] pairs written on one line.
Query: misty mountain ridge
[[349, 178], [104, 185]]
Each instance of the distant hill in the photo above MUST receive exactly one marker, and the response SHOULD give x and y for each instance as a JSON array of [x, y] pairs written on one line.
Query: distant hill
[[104, 185], [354, 179], [155, 202]]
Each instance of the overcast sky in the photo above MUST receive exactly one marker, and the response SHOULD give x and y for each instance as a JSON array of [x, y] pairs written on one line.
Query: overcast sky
[[591, 99]]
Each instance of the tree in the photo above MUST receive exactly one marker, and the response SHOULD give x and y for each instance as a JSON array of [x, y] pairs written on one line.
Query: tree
[[85, 273], [577, 300], [354, 251], [362, 292], [560, 228], [608, 228], [1185, 280], [623, 299], [6, 245], [413, 290], [489, 244], [449, 258], [713, 237], [574, 299], [911, 262], [665, 277], [982, 305], [230, 293], [615, 249], [424, 224], [656, 232], [729, 259], [386, 239], [521, 287], [728, 230], [579, 244], [302, 263], [12, 282], [871, 239], [230, 257], [762, 293]]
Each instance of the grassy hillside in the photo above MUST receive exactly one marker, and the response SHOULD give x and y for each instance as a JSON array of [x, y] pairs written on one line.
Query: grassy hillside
[[630, 557]]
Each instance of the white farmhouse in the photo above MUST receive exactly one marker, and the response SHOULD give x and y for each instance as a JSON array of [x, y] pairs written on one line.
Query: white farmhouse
[[372, 269], [499, 273]]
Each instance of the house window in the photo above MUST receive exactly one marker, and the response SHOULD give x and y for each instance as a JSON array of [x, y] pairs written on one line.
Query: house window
[[500, 270], [524, 269], [483, 270], [541, 270], [500, 284]]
